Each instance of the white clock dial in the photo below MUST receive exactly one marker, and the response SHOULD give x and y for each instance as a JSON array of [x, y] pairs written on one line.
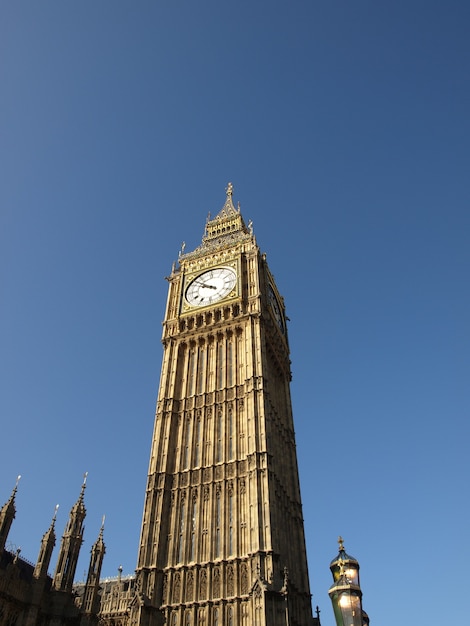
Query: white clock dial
[[211, 286]]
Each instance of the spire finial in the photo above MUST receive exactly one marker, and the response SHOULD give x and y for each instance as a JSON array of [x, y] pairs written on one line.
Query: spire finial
[[15, 488], [102, 522], [229, 189], [341, 543], [83, 485], [54, 517], [13, 493]]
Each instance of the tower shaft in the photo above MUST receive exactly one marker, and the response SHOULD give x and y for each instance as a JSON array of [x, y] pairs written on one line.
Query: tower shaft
[[222, 537]]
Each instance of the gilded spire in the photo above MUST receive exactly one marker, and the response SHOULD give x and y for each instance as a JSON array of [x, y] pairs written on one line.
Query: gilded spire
[[226, 229], [228, 210]]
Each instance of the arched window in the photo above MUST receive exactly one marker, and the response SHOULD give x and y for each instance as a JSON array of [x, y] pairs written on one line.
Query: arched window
[[193, 528], [220, 365], [219, 437], [201, 372], [229, 364], [187, 436], [217, 525], [192, 371], [230, 522], [230, 434], [181, 537], [197, 445]]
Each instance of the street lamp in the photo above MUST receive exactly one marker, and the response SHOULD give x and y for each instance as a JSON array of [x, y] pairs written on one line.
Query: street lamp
[[345, 592]]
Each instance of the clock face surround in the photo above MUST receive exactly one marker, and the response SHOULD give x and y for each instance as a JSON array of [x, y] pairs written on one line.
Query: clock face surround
[[211, 286]]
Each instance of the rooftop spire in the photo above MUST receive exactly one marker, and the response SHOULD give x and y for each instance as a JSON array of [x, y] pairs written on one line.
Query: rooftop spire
[[7, 515], [226, 229], [45, 551], [70, 544]]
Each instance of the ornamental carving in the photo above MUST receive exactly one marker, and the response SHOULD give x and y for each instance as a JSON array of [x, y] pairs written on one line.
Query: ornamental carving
[[244, 578], [177, 587], [230, 576], [189, 587], [216, 583], [203, 585]]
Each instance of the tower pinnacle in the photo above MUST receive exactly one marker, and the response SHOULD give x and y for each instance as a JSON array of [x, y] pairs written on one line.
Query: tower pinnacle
[[70, 545], [7, 515]]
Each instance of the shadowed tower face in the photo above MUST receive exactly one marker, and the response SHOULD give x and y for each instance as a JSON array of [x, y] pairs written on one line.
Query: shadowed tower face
[[222, 538]]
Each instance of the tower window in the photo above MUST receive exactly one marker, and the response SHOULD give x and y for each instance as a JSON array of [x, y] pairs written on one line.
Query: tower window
[[202, 360], [192, 372], [230, 521], [217, 525], [197, 445], [229, 364], [219, 437], [230, 434], [193, 529], [186, 444], [220, 366], [181, 537]]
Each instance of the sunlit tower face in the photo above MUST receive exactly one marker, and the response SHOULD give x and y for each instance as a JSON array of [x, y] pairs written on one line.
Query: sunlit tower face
[[222, 537]]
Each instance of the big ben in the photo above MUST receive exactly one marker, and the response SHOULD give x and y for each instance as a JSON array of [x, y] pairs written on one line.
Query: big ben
[[222, 540]]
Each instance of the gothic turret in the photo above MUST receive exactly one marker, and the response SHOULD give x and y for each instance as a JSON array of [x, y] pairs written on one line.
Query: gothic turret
[[45, 551], [91, 600], [40, 578], [7, 515], [70, 545]]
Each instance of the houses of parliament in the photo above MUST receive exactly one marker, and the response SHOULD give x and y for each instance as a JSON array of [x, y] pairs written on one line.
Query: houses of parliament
[[222, 538]]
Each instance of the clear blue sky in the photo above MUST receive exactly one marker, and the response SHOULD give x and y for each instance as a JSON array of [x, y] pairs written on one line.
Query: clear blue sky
[[344, 127]]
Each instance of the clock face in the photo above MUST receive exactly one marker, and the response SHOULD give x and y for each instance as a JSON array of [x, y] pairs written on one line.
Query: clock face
[[211, 286]]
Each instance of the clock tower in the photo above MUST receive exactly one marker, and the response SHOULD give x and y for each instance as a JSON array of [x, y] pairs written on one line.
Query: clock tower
[[222, 541]]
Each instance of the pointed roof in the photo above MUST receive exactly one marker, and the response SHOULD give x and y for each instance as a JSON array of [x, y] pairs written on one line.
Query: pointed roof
[[9, 506], [225, 229], [342, 557], [79, 505], [50, 532], [77, 512], [99, 543], [228, 210]]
